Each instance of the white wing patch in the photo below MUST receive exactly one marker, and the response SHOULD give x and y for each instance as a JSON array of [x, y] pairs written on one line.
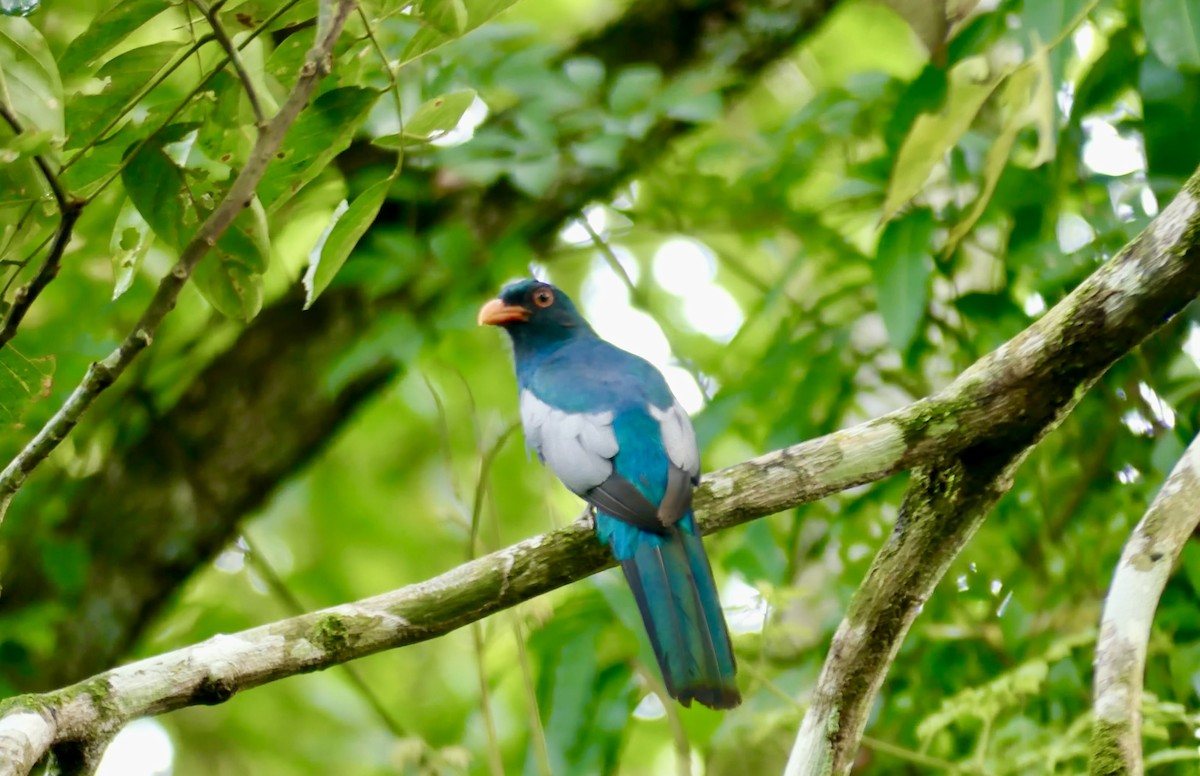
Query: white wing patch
[[678, 438], [578, 447]]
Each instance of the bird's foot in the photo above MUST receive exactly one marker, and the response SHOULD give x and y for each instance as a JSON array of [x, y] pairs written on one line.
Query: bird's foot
[[588, 518]]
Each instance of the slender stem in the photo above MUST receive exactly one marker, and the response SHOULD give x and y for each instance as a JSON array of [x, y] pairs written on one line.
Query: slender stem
[[393, 85], [69, 208], [56, 188], [231, 51]]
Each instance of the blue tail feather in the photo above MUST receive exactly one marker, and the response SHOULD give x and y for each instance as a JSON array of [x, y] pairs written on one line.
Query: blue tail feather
[[673, 585]]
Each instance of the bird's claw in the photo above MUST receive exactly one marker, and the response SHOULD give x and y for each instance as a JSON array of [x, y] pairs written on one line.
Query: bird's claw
[[588, 518]]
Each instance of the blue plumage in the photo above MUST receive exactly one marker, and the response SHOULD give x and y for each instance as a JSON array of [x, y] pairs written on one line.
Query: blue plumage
[[606, 424]]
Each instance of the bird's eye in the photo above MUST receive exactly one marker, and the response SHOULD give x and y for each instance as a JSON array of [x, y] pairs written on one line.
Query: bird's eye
[[543, 297]]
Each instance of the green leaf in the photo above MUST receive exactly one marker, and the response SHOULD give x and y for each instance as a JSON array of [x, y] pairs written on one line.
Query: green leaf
[[230, 287], [107, 29], [449, 17], [248, 239], [430, 37], [231, 278], [633, 89], [30, 142], [122, 77], [432, 120], [99, 162], [439, 115], [535, 176], [587, 73], [902, 267], [131, 239], [167, 181], [248, 15], [1173, 30], [321, 132], [933, 135], [691, 100], [22, 382], [340, 240], [602, 151], [29, 80], [1019, 106], [156, 186]]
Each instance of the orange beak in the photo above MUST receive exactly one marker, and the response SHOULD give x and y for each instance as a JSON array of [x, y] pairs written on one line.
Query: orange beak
[[497, 313]]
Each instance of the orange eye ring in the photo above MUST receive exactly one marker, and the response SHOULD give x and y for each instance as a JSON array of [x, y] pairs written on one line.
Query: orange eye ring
[[543, 297]]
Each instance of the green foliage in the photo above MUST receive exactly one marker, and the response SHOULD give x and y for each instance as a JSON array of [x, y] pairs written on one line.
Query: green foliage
[[347, 229], [814, 246], [22, 381]]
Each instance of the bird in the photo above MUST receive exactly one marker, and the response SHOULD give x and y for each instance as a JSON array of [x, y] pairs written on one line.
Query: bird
[[604, 421]]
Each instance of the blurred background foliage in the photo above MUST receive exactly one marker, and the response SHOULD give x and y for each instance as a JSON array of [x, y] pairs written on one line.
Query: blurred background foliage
[[801, 242]]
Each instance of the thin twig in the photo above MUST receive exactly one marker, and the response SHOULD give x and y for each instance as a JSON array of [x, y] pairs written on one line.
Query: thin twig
[[23, 263], [59, 194], [393, 85], [101, 374], [210, 13], [69, 208]]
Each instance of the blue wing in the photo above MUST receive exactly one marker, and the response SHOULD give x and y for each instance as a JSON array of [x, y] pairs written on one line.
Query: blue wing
[[606, 424]]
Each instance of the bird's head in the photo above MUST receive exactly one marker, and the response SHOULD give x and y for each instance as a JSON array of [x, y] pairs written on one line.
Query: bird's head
[[534, 314]]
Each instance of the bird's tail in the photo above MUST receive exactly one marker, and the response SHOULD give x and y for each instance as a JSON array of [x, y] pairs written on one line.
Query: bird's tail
[[673, 584]]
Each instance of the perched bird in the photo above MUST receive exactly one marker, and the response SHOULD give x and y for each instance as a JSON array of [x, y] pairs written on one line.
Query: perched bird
[[606, 424]]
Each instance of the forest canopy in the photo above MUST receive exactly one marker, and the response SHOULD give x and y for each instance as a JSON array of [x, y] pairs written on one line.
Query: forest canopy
[[920, 273]]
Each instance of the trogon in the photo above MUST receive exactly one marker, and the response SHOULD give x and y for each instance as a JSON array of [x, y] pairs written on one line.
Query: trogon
[[605, 422]]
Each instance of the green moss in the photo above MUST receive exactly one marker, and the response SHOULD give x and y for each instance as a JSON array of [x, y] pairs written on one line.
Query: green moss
[[1106, 759], [32, 702], [97, 690], [330, 634]]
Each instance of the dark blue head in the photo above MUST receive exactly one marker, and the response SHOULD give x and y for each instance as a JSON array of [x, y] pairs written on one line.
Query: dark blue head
[[536, 315]]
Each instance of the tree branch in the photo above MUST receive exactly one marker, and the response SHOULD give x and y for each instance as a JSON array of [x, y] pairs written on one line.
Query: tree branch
[[1028, 396], [943, 507], [101, 374], [69, 208], [1137, 585], [967, 441]]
